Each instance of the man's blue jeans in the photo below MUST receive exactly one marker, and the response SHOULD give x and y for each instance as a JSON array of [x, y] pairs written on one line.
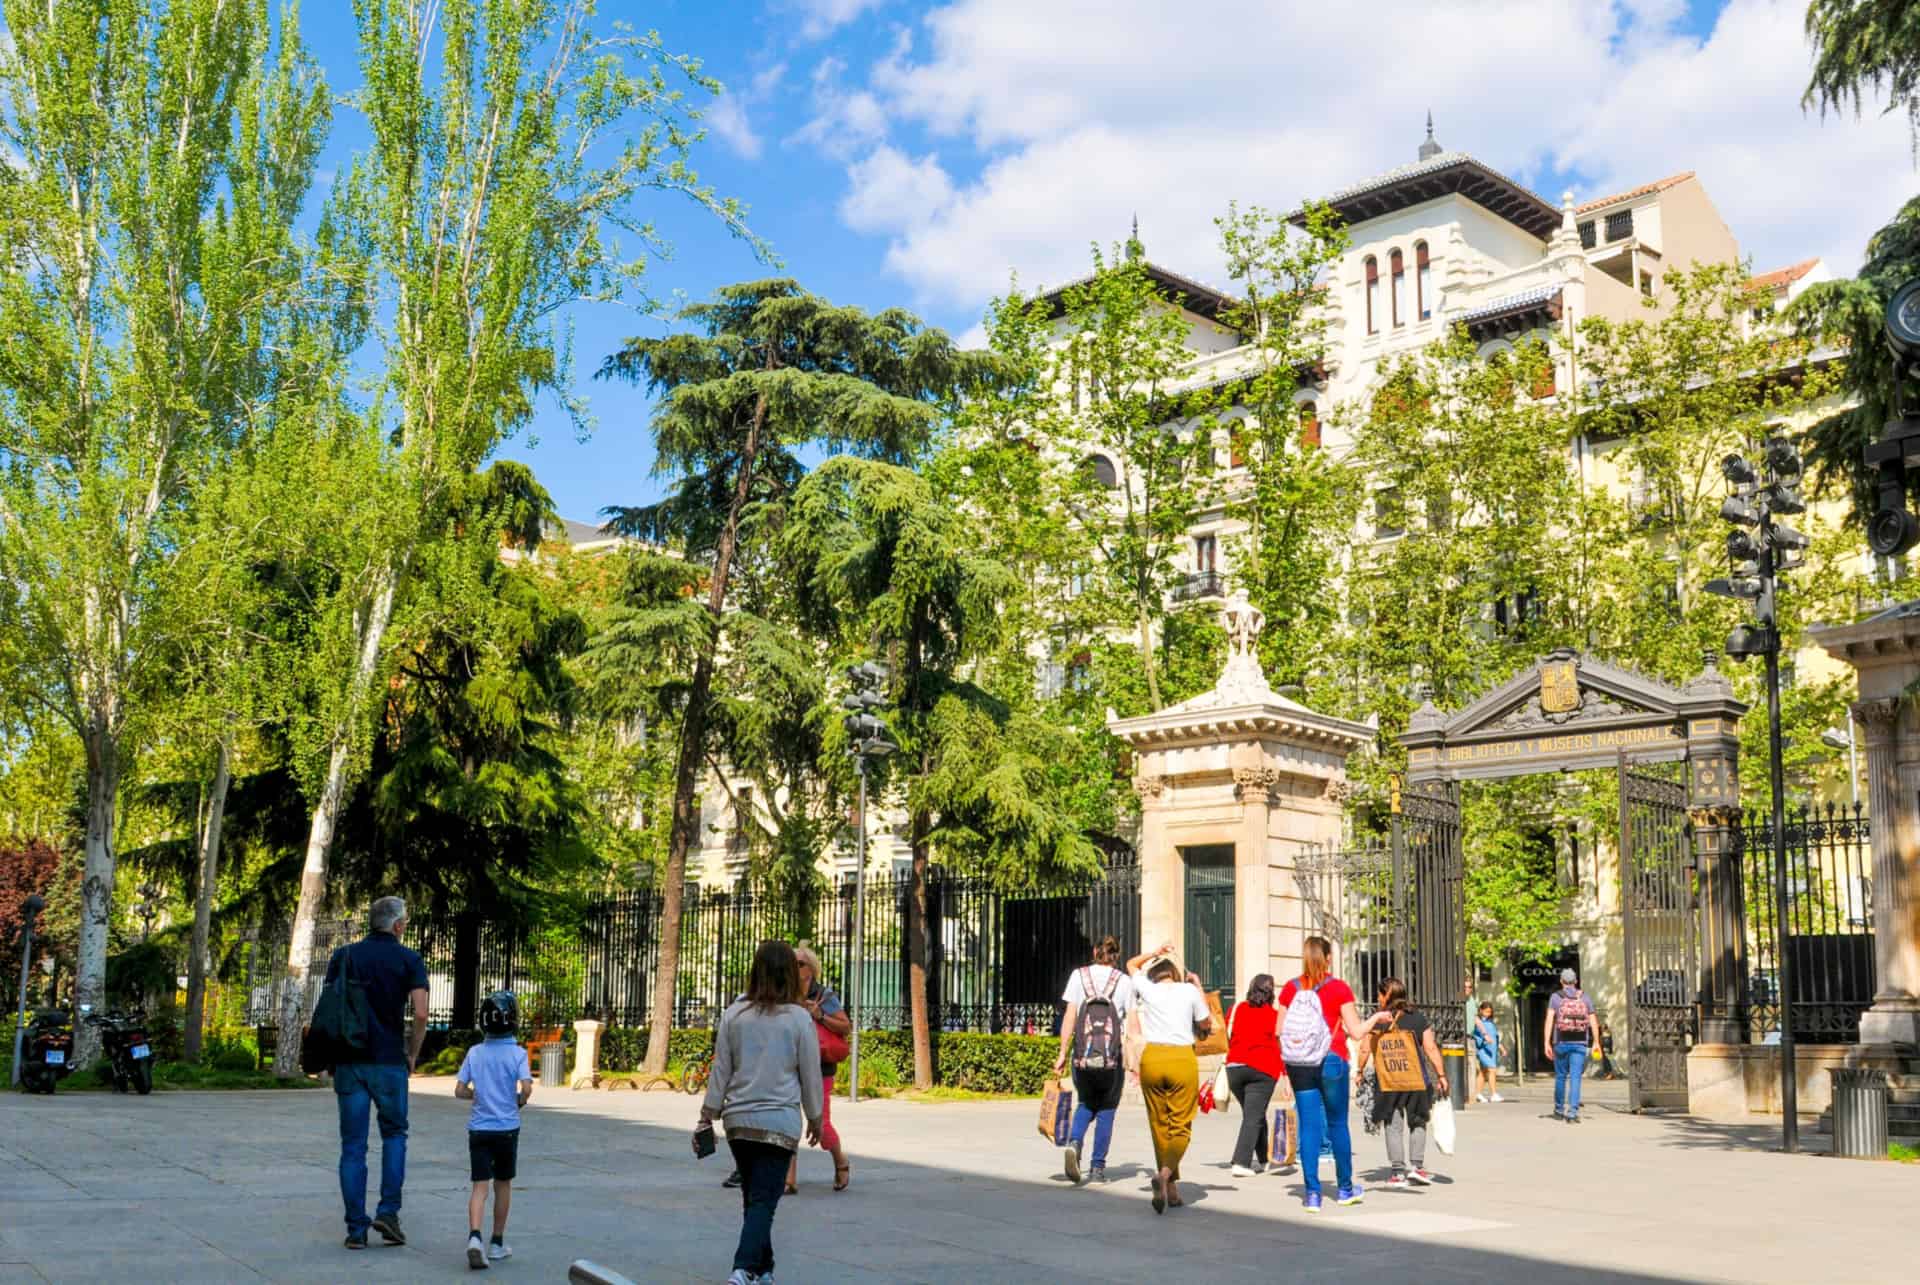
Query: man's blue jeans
[[362, 1088], [1323, 1116], [1569, 1064]]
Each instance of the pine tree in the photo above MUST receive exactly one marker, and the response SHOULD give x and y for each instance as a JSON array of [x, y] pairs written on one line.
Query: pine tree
[[765, 370]]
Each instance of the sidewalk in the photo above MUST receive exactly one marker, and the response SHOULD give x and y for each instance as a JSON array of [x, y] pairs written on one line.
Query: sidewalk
[[240, 1187]]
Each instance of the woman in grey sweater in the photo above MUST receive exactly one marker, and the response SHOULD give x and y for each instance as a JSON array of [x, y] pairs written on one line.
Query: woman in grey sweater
[[765, 1087]]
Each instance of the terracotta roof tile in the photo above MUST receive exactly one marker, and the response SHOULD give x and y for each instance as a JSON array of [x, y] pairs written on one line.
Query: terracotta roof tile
[[1782, 276], [1658, 185]]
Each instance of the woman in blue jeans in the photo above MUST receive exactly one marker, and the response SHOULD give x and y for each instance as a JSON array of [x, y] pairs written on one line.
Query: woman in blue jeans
[[1320, 1087]]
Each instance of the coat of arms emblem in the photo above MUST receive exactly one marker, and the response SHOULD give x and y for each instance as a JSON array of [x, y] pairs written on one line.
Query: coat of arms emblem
[[1559, 687]]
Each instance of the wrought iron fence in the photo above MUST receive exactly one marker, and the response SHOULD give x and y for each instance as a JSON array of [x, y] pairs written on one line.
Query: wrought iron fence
[[996, 961], [1829, 922]]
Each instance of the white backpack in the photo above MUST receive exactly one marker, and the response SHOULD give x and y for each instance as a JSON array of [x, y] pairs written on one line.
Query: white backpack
[[1305, 1039]]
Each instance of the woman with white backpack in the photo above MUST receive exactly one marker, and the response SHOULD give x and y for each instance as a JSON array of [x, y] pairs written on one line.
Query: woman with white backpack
[[1321, 1017]]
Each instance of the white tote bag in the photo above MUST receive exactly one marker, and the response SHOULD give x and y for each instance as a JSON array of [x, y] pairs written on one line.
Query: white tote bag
[[1440, 1125]]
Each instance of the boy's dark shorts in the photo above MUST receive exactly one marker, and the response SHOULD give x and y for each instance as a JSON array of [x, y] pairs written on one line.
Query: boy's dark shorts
[[495, 1154]]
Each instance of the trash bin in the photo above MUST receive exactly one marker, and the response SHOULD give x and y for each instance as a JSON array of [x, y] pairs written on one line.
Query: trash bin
[[1454, 1058], [1859, 1112], [553, 1065]]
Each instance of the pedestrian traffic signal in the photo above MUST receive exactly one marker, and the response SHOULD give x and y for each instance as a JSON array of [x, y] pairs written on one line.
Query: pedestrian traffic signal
[[1751, 640]]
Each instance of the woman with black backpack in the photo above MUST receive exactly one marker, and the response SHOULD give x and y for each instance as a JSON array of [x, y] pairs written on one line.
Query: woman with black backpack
[[1097, 998]]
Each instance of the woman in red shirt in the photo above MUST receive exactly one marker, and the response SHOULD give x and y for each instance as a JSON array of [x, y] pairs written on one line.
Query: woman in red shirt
[[1253, 1068]]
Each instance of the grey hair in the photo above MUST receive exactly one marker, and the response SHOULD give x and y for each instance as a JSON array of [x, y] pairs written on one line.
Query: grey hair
[[387, 912], [805, 955]]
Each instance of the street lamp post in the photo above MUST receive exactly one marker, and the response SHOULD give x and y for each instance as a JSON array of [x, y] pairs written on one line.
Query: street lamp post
[[1761, 548], [29, 911], [868, 736]]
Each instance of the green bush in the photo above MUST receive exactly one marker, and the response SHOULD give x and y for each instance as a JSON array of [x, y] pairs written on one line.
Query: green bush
[[1017, 1064], [229, 1051], [622, 1048]]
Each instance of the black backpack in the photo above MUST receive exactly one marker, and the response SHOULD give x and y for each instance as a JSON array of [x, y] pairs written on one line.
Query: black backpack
[[342, 1020], [1096, 1031]]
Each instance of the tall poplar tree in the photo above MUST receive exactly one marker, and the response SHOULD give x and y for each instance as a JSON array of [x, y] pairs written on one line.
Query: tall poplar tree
[[510, 142], [157, 157], [765, 370]]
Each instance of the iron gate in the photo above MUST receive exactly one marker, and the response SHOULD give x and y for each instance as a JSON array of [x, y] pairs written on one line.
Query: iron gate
[[1657, 913], [1398, 909], [1427, 827]]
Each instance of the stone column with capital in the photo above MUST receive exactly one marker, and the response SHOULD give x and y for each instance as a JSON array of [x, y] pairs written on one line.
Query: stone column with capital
[[1884, 650], [1162, 891], [1895, 1015], [586, 1058]]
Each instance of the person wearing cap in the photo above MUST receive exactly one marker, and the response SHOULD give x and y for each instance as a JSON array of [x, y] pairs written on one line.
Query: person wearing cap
[[1570, 1034]]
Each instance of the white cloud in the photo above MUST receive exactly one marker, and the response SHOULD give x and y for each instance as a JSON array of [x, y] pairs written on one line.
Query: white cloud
[[1047, 126], [888, 191], [728, 118], [821, 17]]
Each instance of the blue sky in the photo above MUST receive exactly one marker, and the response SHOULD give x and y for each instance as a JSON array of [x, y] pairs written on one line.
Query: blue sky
[[896, 152]]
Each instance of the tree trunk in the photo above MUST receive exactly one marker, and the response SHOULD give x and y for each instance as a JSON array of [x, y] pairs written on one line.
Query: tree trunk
[[203, 904], [96, 889], [917, 957], [692, 753], [295, 1003], [1146, 656]]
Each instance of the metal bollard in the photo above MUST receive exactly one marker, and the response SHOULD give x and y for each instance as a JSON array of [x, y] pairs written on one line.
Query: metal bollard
[[1454, 1058], [1859, 1112], [583, 1272]]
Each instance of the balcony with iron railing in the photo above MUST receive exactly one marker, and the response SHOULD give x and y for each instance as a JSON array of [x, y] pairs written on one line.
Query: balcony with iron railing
[[1200, 585]]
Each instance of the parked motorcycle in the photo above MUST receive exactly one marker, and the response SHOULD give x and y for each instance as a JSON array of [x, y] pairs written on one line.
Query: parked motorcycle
[[46, 1055], [123, 1038]]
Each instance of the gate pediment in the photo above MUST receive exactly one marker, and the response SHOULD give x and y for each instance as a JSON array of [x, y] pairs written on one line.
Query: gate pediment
[[1570, 711]]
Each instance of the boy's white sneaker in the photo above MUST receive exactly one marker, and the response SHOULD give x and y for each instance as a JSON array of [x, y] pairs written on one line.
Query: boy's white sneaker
[[1498, 1098], [1479, 1097], [498, 1251], [476, 1254]]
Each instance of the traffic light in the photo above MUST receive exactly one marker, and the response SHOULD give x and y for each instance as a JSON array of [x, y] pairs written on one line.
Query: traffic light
[[1759, 548], [864, 727]]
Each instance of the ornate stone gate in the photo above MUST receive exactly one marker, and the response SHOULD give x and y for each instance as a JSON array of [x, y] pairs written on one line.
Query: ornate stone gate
[[1679, 865]]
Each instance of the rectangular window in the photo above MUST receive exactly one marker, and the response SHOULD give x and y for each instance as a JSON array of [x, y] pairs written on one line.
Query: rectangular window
[[1373, 296], [1423, 283], [1398, 267], [1309, 426], [1388, 519], [1206, 553]]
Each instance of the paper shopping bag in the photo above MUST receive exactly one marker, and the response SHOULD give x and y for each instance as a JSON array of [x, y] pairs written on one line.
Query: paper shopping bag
[[1056, 1112], [1216, 1041], [1283, 1144]]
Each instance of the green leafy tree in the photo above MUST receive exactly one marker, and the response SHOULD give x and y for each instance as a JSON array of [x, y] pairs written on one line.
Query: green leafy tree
[[487, 201], [765, 370], [1862, 46], [878, 553], [158, 156], [1296, 501], [1118, 405]]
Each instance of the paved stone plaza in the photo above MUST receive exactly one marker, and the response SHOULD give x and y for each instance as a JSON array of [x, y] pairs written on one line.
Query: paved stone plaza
[[240, 1187]]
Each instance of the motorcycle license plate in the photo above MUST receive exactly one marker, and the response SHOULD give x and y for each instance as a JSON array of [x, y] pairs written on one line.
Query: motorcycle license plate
[[139, 1050], [56, 1058]]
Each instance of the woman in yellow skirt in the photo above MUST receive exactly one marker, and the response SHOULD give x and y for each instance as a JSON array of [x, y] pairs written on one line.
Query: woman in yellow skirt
[[1173, 1012]]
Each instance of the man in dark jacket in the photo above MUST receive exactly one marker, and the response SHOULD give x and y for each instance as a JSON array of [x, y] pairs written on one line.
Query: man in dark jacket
[[375, 1081]]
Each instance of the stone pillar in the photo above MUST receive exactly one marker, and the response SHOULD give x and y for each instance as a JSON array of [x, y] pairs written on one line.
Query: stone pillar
[[586, 1057], [1255, 789], [1892, 796], [1163, 894], [1722, 925]]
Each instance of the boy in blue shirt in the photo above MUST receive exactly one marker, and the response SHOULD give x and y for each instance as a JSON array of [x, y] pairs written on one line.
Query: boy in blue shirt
[[496, 1077]]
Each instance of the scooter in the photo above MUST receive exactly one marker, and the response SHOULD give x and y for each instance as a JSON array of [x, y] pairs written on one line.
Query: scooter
[[123, 1038], [46, 1056]]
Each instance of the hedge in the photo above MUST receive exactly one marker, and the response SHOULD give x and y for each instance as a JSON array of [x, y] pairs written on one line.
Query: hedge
[[961, 1060]]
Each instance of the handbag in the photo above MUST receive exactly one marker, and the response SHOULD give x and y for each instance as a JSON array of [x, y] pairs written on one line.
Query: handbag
[[833, 1047], [1215, 1094]]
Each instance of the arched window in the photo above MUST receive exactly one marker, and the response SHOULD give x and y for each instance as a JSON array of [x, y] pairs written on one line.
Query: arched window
[[1309, 425], [1373, 295], [1397, 264], [1423, 280], [1104, 474]]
